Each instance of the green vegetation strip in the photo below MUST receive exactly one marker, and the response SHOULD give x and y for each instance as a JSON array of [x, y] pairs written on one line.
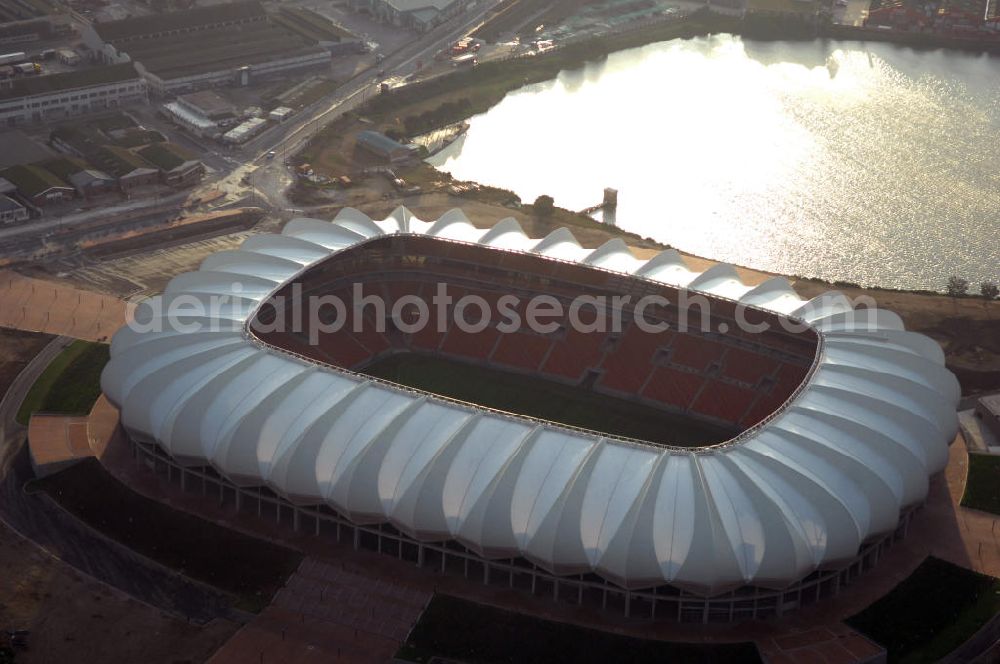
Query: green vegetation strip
[[70, 384], [468, 632], [982, 486], [544, 399], [249, 568], [931, 613]]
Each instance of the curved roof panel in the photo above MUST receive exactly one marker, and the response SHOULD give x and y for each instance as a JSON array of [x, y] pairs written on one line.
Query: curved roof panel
[[800, 491]]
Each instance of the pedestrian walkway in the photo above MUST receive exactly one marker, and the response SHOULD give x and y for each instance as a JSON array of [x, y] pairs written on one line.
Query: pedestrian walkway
[[325, 613], [36, 305], [58, 441]]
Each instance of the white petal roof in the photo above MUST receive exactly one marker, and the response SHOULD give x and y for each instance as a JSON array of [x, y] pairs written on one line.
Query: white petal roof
[[800, 491]]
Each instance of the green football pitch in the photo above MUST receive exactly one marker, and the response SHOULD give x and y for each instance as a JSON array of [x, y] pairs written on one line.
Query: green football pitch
[[547, 400]]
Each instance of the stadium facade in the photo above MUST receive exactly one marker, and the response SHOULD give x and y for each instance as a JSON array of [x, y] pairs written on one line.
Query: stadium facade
[[839, 417]]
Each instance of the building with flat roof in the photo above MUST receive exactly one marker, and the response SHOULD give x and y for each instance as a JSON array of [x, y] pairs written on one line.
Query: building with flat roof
[[313, 27], [58, 96], [16, 147], [26, 21], [245, 131], [209, 104], [988, 410], [203, 113], [231, 44], [421, 15], [110, 36]]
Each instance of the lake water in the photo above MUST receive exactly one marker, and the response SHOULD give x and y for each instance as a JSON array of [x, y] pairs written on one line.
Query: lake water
[[863, 162]]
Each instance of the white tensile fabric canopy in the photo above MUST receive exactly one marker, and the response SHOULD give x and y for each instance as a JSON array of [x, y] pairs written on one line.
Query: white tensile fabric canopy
[[833, 469]]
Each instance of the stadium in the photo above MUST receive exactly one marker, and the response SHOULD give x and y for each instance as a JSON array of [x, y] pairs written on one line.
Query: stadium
[[727, 471]]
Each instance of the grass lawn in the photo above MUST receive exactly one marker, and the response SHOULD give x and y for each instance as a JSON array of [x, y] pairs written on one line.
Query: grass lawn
[[982, 486], [249, 568], [931, 613], [70, 384], [469, 632], [535, 397]]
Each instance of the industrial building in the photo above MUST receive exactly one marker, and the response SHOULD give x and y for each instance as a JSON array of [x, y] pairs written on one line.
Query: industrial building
[[203, 113], [384, 147], [839, 417], [16, 147], [244, 131], [988, 410], [420, 15], [228, 44], [26, 21], [178, 167], [11, 211], [58, 96], [38, 185], [91, 182]]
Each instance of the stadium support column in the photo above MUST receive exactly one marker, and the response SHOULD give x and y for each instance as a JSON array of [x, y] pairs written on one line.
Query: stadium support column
[[295, 519], [239, 498], [420, 554]]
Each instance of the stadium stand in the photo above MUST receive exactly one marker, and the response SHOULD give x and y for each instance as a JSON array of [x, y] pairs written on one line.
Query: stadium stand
[[773, 518], [718, 378]]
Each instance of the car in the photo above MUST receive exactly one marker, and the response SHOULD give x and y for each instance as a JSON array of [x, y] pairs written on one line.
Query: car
[[271, 154]]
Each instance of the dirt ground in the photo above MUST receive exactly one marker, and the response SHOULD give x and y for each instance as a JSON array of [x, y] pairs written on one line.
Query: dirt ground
[[73, 618], [16, 350]]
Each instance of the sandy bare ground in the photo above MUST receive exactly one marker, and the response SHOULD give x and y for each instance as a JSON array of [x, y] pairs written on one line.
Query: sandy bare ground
[[73, 618], [37, 305]]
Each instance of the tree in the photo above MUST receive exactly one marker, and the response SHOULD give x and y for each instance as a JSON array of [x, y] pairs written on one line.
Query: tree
[[989, 290], [544, 205], [957, 286]]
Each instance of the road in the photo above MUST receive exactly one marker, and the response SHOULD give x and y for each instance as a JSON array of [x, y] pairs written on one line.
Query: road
[[92, 218], [10, 431], [269, 178]]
